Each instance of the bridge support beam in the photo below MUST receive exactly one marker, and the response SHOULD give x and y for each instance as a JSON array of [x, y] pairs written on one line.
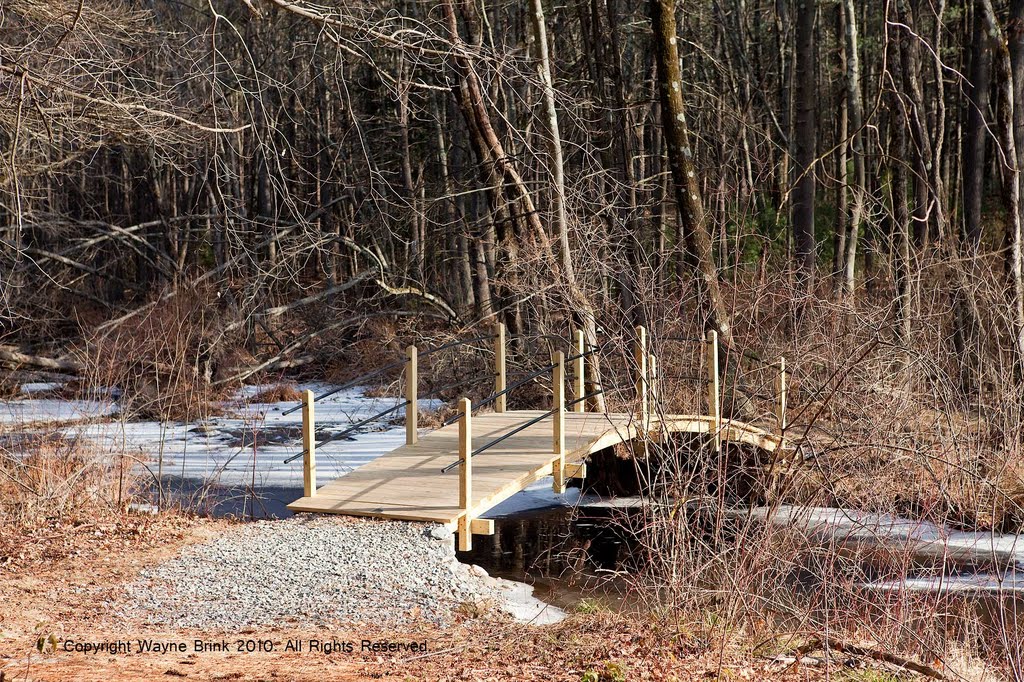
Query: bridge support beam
[[558, 421], [465, 474], [714, 393], [308, 444], [499, 368], [412, 409]]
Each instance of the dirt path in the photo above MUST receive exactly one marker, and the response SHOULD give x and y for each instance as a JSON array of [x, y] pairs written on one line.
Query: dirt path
[[66, 594]]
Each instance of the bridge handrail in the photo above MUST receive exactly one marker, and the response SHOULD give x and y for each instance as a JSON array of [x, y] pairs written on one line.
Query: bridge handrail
[[645, 384]]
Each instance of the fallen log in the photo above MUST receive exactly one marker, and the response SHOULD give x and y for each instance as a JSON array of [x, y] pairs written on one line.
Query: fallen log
[[865, 652], [15, 357]]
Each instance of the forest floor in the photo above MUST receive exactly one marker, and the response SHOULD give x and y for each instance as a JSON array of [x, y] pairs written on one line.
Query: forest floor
[[59, 590]]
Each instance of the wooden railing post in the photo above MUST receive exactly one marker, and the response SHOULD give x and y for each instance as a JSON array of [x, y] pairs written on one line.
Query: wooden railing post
[[412, 410], [714, 399], [652, 373], [499, 368], [465, 474], [308, 445], [579, 389], [640, 357], [558, 431], [780, 392]]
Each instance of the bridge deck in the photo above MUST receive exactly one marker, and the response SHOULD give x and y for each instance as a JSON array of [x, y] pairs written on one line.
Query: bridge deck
[[407, 482]]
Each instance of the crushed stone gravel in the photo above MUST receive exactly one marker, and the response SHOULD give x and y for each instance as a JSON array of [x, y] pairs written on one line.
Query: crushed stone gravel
[[312, 569]]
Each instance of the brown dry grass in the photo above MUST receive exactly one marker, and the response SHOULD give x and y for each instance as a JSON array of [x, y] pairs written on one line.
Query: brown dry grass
[[49, 475], [278, 393], [51, 487], [164, 362]]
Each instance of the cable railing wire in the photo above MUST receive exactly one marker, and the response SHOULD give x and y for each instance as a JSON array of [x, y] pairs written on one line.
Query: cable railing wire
[[354, 427]]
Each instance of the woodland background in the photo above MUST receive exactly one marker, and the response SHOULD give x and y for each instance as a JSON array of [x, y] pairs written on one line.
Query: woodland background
[[193, 195], [199, 194]]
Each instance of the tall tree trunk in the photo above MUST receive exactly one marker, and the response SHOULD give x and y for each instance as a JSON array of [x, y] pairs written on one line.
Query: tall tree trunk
[[929, 202], [966, 316], [805, 131], [691, 210], [553, 139], [901, 226], [1010, 72], [580, 298], [854, 103], [1015, 44], [842, 144], [977, 131]]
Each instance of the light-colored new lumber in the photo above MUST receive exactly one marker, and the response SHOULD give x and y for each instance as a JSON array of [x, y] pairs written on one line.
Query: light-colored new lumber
[[558, 421], [407, 483], [412, 412], [499, 368], [652, 373], [482, 526], [714, 393], [640, 357], [579, 382], [308, 444], [465, 473], [780, 392]]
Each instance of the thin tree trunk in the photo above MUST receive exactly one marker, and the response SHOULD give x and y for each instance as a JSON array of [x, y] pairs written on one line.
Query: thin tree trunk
[[806, 133], [691, 210], [1010, 72], [977, 131], [854, 102], [842, 180], [554, 139], [902, 230]]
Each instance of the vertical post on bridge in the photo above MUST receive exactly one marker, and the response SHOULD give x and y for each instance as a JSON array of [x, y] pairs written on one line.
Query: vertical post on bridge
[[642, 385], [412, 410], [652, 373], [558, 434], [579, 385], [714, 394], [499, 368], [465, 474], [308, 445], [780, 392]]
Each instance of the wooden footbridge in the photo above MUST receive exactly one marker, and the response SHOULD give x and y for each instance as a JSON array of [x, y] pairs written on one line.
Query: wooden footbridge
[[454, 474]]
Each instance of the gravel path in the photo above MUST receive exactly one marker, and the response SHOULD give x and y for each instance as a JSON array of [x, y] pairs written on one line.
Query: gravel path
[[312, 569]]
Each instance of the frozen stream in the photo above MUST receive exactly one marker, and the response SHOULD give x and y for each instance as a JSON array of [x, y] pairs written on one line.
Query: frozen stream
[[222, 463]]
